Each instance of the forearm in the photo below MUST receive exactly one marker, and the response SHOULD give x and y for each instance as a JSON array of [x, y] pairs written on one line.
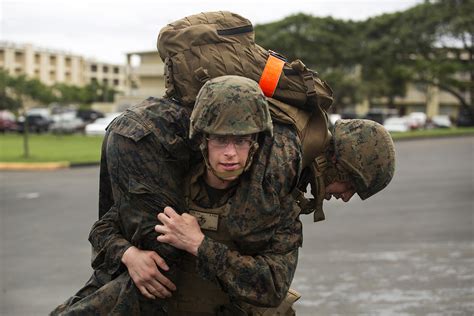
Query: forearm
[[109, 243]]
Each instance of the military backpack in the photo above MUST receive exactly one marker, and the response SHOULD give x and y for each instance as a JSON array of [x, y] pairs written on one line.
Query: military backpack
[[212, 44]]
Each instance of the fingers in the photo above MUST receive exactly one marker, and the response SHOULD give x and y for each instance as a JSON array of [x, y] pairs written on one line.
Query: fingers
[[164, 281], [162, 217], [170, 212], [157, 289], [347, 196], [145, 292], [162, 229], [160, 262]]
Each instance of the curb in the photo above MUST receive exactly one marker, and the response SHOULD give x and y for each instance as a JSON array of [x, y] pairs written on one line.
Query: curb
[[16, 166], [422, 137], [84, 164]]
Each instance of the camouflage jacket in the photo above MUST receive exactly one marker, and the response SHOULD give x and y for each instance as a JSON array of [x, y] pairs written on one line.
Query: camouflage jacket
[[142, 170], [145, 156], [264, 225]]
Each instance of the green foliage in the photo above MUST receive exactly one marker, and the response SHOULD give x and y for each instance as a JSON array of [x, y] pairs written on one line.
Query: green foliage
[[86, 95], [6, 101], [429, 43], [14, 91], [322, 43], [326, 45]]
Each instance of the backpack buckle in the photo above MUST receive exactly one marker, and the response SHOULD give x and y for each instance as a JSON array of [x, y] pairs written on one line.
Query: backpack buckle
[[309, 83]]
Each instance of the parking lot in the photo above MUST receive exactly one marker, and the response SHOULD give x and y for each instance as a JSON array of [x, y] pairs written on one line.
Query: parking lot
[[407, 251]]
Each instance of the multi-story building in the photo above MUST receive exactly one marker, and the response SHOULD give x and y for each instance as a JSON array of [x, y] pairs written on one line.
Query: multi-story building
[[54, 66], [107, 74], [145, 78]]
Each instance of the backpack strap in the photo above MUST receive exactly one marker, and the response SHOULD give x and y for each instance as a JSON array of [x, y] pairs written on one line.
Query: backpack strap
[[312, 175], [307, 75], [202, 75], [169, 81]]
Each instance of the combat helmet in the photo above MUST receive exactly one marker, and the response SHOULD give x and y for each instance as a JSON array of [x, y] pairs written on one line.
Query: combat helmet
[[230, 105], [365, 149]]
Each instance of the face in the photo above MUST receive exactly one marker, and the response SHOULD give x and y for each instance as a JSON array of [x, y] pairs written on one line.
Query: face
[[227, 154], [340, 190]]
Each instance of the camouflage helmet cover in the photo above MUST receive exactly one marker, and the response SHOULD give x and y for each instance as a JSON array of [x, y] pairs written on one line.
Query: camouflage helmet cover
[[230, 105], [365, 148]]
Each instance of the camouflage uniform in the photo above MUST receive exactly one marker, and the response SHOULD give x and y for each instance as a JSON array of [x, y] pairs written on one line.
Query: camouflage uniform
[[259, 264], [145, 156]]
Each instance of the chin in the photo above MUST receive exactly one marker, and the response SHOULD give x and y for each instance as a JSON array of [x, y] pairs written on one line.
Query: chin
[[231, 178]]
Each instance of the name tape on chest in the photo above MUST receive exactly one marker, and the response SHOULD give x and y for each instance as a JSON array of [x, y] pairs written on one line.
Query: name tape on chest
[[206, 220]]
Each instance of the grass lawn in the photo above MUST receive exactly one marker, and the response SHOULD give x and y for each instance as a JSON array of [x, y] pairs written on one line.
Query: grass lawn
[[86, 149], [439, 132], [51, 148]]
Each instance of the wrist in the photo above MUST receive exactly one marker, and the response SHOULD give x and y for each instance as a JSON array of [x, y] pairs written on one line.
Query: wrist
[[128, 254], [196, 244]]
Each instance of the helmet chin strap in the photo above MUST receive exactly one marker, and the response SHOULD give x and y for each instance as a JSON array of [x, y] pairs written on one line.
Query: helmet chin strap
[[227, 175]]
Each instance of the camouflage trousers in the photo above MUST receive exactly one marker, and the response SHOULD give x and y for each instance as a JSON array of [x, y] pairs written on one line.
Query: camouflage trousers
[[102, 295]]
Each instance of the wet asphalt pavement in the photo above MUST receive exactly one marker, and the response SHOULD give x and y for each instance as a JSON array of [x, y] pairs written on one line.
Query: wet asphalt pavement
[[409, 250]]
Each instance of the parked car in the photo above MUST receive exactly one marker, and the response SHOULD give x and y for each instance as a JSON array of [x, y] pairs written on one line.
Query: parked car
[[98, 127], [44, 112], [441, 121], [89, 116], [7, 122], [465, 117], [67, 123], [417, 120], [380, 115], [36, 123], [396, 124]]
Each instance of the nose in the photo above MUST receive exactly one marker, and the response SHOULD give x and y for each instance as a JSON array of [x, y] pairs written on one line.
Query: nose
[[230, 150]]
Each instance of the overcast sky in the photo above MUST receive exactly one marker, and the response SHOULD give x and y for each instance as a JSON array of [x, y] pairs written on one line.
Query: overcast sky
[[107, 29]]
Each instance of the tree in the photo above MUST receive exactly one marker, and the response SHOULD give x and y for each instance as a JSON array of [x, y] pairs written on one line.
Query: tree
[[431, 43], [326, 45], [424, 44], [6, 101], [17, 90]]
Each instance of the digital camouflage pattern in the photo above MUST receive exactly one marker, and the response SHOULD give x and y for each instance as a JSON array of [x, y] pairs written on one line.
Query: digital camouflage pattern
[[230, 105], [145, 155], [258, 275], [263, 224], [365, 148]]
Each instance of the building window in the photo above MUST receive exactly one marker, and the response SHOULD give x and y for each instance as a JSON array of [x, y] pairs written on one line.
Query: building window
[[94, 80], [116, 82], [52, 60], [19, 57], [37, 58], [105, 69], [105, 81], [94, 68], [68, 61], [116, 70]]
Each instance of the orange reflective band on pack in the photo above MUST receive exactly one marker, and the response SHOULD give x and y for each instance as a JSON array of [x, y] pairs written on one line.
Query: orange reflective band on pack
[[270, 75]]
